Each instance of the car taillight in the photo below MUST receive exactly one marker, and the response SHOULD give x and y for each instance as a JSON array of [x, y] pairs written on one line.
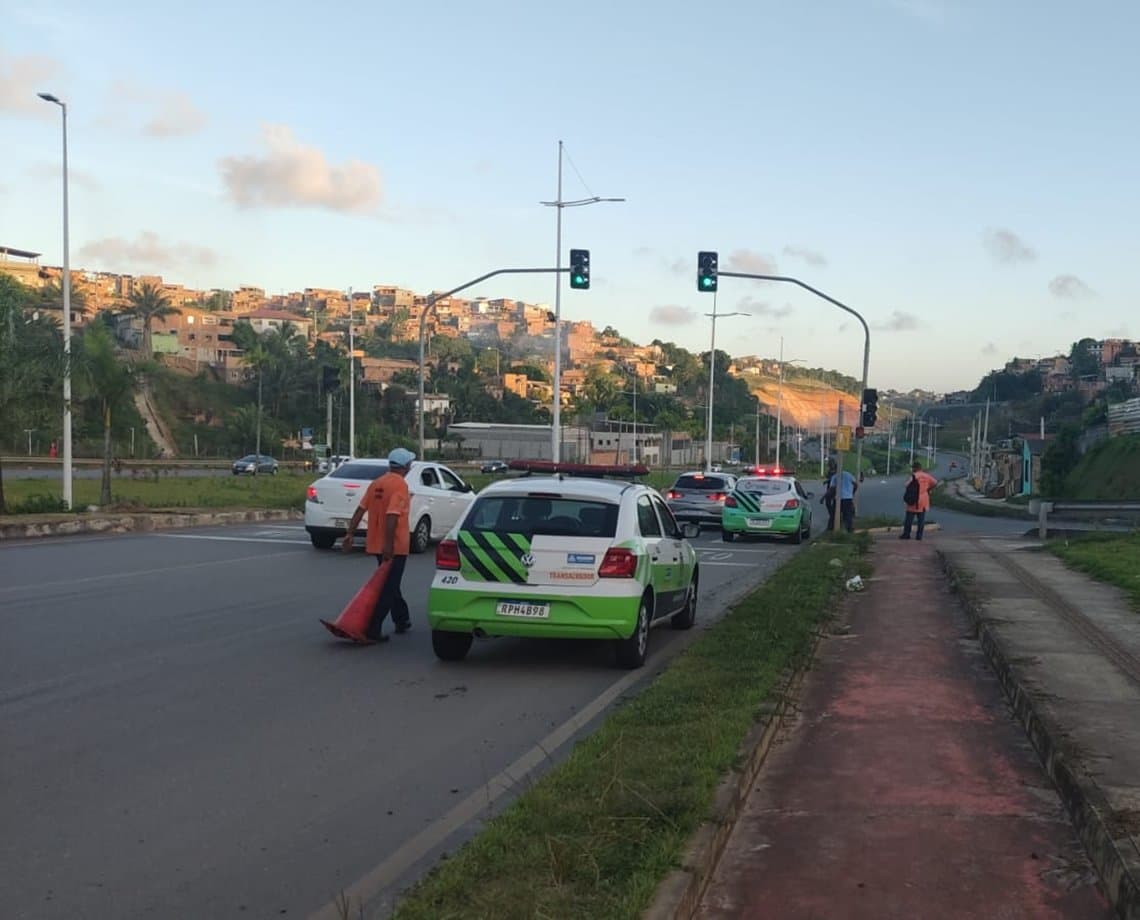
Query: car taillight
[[618, 563], [730, 502], [791, 504], [718, 496], [447, 555], [311, 494], [673, 494]]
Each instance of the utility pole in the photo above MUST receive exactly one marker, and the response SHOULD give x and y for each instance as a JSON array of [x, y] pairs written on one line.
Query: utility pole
[[328, 424], [890, 437], [780, 404], [838, 476], [757, 463], [352, 383]]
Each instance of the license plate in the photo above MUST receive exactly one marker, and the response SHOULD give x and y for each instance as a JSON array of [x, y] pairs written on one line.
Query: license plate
[[759, 523], [527, 611]]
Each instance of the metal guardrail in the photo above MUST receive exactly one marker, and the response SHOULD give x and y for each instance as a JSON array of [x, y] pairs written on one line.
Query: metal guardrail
[[1042, 509]]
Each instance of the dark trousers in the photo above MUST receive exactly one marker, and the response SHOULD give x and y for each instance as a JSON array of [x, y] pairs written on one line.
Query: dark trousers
[[911, 517], [847, 514], [830, 515], [391, 600]]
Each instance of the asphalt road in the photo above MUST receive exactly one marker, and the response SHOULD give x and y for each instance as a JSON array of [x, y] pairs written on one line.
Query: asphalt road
[[181, 738]]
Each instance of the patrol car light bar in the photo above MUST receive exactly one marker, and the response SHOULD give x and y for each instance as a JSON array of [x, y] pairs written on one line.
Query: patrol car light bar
[[589, 470]]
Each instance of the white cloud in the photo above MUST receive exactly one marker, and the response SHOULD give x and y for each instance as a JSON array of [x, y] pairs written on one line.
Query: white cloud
[[811, 256], [166, 113], [1070, 287], [1007, 248], [672, 315], [146, 251], [899, 321], [763, 308], [750, 261], [22, 77], [293, 175]]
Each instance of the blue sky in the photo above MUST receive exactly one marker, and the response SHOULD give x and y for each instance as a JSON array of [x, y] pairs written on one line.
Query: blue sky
[[964, 173]]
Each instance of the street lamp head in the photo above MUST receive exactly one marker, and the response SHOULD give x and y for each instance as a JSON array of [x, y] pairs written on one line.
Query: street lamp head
[[48, 97]]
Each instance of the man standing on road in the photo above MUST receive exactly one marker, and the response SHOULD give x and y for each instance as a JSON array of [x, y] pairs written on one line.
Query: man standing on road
[[845, 487], [387, 502], [918, 488]]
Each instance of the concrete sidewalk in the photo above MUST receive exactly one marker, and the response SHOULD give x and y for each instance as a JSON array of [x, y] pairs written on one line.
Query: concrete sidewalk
[[904, 788]]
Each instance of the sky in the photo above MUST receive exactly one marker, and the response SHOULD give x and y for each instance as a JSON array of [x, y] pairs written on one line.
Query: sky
[[962, 173]]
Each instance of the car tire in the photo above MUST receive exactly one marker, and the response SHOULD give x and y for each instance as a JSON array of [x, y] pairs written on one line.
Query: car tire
[[727, 535], [798, 536], [631, 652], [450, 646], [274, 471], [687, 617], [323, 540], [421, 536]]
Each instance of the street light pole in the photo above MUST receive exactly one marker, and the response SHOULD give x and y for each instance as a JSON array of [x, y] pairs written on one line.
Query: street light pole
[[556, 410], [712, 377], [757, 452], [67, 473], [352, 383]]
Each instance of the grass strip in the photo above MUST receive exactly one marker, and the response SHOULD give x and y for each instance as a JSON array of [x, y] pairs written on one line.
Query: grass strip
[[1112, 558], [596, 835], [163, 491], [941, 498]]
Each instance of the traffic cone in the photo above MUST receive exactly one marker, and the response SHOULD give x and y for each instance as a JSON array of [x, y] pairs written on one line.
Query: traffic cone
[[354, 619]]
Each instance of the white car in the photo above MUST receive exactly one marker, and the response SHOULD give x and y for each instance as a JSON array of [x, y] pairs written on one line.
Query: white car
[[439, 499]]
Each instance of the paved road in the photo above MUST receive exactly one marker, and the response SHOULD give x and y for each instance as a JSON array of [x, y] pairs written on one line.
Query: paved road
[[181, 738]]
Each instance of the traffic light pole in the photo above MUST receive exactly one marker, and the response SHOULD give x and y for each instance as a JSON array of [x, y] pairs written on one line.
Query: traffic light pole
[[842, 306], [429, 307]]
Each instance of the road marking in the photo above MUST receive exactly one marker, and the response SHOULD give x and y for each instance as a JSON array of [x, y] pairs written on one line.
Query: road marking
[[747, 565], [220, 539]]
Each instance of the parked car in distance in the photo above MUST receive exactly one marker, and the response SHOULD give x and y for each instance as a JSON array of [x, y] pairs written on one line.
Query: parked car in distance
[[699, 497], [255, 463], [494, 466], [439, 498]]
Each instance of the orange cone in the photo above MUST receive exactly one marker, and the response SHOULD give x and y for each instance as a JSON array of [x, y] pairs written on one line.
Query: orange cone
[[354, 619]]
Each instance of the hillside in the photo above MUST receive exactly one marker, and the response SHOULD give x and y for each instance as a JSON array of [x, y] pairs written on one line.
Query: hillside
[[1110, 470], [806, 402]]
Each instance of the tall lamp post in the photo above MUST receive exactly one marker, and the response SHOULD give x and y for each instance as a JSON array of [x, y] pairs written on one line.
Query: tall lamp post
[[780, 399], [559, 204], [67, 482], [712, 376]]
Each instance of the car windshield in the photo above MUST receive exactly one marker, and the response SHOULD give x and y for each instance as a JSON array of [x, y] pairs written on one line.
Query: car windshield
[[547, 515], [697, 483], [764, 486], [360, 470]]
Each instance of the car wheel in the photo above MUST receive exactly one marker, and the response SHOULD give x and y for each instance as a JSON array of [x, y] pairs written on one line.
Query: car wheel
[[798, 536], [450, 646], [323, 540], [687, 617], [727, 535], [631, 652], [274, 471], [421, 536]]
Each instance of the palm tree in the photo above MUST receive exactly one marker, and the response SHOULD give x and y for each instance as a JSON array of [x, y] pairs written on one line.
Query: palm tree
[[111, 382], [149, 303]]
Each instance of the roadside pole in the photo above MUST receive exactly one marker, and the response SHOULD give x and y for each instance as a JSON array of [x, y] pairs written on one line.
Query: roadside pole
[[429, 307], [842, 306], [839, 457]]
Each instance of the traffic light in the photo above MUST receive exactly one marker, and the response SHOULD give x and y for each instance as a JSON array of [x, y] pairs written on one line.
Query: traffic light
[[330, 379], [870, 407], [580, 269], [706, 271]]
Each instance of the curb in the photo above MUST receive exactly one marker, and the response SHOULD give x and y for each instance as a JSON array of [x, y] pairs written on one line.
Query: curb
[[894, 528], [679, 894], [128, 523], [1119, 872]]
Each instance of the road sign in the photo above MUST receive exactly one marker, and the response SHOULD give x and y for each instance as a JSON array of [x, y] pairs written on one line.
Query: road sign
[[843, 438]]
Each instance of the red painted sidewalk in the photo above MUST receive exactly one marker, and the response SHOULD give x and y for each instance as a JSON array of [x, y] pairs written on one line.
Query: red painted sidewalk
[[904, 789]]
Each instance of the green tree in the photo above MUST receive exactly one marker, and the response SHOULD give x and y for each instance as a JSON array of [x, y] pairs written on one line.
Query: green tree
[[1083, 361], [110, 383], [30, 359], [1060, 458], [149, 303]]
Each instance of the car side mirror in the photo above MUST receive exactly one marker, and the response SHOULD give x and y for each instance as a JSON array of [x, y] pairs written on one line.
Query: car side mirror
[[690, 530]]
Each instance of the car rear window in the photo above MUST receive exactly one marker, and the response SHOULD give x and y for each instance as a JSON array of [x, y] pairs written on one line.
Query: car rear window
[[548, 516], [359, 470], [701, 483], [764, 486]]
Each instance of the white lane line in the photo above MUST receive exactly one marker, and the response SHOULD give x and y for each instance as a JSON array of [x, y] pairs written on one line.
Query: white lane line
[[746, 565], [220, 539], [139, 573]]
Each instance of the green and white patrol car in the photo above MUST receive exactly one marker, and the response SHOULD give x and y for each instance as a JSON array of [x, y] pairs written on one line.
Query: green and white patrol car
[[563, 558]]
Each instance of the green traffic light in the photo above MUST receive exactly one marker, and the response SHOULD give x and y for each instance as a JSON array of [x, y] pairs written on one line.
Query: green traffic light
[[707, 282]]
